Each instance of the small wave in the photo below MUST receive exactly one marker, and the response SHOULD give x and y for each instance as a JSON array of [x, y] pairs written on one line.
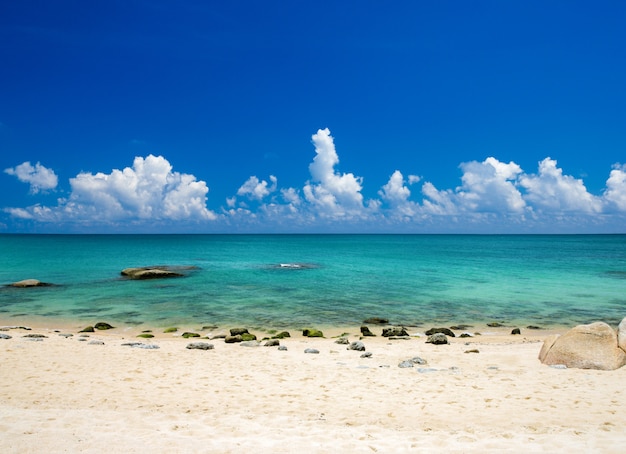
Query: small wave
[[294, 266]]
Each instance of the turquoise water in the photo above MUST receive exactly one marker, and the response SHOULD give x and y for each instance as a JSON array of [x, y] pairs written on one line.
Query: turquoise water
[[546, 280]]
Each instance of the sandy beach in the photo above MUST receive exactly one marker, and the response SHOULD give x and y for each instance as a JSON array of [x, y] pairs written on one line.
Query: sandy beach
[[487, 393]]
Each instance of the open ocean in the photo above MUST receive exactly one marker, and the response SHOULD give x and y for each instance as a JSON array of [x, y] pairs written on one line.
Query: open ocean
[[275, 281]]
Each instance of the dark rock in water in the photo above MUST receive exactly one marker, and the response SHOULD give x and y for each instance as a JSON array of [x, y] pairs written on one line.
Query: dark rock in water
[[200, 346], [272, 343], [366, 355], [187, 335], [342, 341], [282, 335], [238, 331], [533, 327], [149, 272], [312, 333], [376, 321], [103, 326], [437, 339], [88, 329], [365, 331], [35, 336], [460, 327], [209, 327], [247, 337], [396, 331], [314, 351], [26, 283], [358, 346], [5, 336], [445, 331], [516, 331], [233, 339], [495, 325]]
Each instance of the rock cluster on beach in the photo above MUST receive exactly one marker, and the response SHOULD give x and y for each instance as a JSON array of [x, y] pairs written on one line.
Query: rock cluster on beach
[[593, 346]]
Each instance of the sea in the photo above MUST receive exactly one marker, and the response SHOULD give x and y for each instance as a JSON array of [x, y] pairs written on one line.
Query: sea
[[296, 281]]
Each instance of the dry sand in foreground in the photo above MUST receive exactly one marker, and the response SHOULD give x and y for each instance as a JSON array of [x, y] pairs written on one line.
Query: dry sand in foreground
[[63, 395]]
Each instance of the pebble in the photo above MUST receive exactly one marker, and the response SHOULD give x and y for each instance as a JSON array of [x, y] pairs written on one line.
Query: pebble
[[5, 336], [312, 350]]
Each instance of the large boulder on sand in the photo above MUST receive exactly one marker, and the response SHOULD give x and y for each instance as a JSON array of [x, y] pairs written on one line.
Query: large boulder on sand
[[621, 334], [591, 346]]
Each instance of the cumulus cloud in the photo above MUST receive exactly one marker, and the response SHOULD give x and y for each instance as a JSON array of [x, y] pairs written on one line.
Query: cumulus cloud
[[255, 189], [147, 191], [396, 194], [552, 191], [615, 193], [39, 177], [334, 194]]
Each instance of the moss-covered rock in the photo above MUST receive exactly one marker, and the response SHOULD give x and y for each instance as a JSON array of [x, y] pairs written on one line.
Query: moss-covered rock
[[312, 333], [88, 329], [247, 337], [282, 335], [103, 326], [170, 330], [145, 335], [187, 335]]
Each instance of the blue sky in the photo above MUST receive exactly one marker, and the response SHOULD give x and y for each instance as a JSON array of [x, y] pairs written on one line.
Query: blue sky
[[326, 116]]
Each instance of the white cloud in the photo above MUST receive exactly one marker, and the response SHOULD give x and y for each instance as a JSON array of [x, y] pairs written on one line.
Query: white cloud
[[551, 191], [396, 194], [39, 177], [333, 194], [615, 193], [255, 189], [147, 191]]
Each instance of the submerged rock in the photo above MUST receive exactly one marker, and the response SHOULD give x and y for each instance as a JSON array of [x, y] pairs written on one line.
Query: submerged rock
[[155, 272], [376, 321], [26, 283]]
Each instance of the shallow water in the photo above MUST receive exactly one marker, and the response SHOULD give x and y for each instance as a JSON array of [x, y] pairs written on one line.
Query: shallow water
[[303, 280]]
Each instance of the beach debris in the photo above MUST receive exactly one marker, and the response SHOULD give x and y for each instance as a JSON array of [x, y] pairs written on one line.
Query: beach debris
[[250, 343], [200, 346], [446, 331], [272, 343], [141, 345], [155, 272], [314, 351], [146, 335], [516, 331], [187, 335], [233, 339], [95, 342], [102, 326], [88, 329], [312, 333], [357, 345], [395, 331], [437, 339], [376, 321], [27, 283], [593, 346], [5, 336], [366, 355], [342, 341], [365, 331]]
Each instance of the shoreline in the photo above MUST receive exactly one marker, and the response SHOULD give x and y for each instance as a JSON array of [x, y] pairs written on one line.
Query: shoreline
[[488, 393]]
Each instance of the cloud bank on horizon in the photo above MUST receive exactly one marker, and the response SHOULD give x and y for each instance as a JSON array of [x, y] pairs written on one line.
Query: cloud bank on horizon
[[493, 197]]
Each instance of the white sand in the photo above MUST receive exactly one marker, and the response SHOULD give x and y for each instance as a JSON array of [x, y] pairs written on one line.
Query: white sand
[[62, 395]]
